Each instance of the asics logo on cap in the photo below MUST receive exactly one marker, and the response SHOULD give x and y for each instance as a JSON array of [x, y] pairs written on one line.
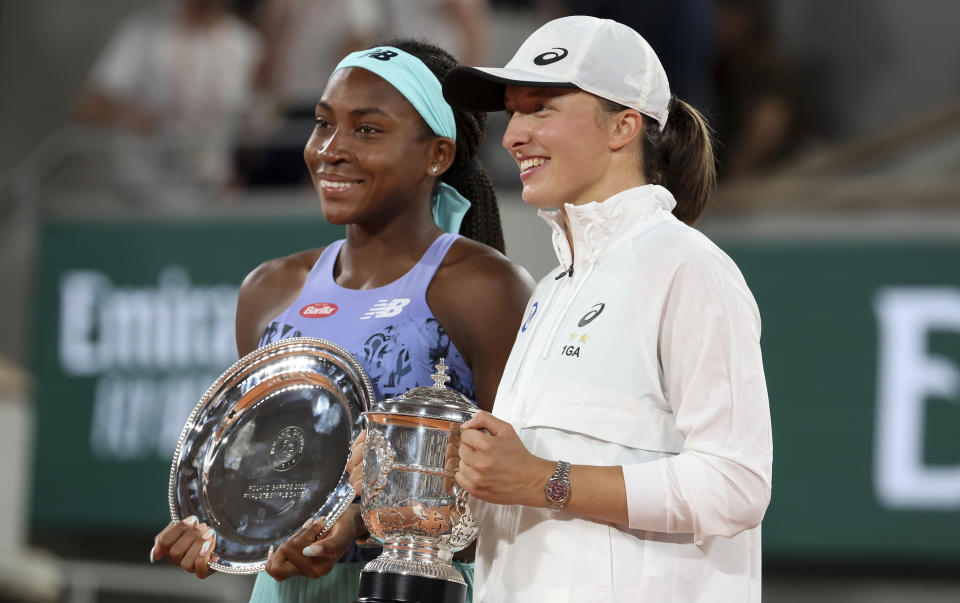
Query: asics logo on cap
[[382, 55], [551, 56]]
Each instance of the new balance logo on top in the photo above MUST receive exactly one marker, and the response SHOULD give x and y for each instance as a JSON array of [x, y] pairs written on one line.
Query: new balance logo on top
[[386, 308]]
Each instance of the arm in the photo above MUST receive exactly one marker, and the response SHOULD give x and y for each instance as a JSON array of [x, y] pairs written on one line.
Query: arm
[[719, 484], [265, 292], [473, 20], [110, 97], [496, 467], [479, 297]]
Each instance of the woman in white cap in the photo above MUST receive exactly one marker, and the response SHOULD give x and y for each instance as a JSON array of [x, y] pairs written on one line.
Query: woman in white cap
[[630, 456]]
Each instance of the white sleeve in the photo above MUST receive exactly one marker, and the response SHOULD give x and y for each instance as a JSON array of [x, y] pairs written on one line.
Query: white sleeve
[[366, 18], [119, 67], [719, 484]]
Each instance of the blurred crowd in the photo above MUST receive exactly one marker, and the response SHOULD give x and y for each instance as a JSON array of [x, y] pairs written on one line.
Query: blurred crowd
[[220, 94]]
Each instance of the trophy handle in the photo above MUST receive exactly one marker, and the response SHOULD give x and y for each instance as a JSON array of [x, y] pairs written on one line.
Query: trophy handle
[[461, 496]]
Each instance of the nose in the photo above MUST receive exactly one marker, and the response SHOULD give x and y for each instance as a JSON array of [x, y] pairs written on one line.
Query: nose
[[517, 134], [330, 148]]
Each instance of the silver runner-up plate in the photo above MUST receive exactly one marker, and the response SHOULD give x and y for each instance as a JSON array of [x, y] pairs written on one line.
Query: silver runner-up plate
[[266, 448]]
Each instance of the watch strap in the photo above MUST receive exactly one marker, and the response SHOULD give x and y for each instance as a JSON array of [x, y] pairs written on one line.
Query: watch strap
[[560, 481]]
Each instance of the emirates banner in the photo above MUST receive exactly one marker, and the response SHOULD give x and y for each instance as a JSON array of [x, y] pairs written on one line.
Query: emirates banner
[[133, 321], [861, 348]]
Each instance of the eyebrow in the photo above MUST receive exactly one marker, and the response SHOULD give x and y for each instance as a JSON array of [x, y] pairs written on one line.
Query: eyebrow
[[358, 112]]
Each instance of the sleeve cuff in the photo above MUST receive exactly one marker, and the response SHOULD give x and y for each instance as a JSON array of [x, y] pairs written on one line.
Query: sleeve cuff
[[646, 497]]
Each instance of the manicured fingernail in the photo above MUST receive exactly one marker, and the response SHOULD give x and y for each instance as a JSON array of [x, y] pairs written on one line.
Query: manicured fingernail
[[308, 523], [314, 550], [152, 549], [205, 547], [190, 521], [208, 534]]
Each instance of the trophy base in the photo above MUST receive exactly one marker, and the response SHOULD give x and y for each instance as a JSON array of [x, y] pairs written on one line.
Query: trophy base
[[382, 587]]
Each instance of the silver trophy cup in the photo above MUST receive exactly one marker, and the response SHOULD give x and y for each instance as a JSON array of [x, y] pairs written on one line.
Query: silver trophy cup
[[411, 501]]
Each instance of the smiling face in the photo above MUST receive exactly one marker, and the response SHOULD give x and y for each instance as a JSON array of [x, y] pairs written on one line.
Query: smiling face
[[559, 143], [369, 156]]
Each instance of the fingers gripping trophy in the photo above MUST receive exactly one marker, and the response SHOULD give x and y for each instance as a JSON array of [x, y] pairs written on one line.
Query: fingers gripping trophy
[[410, 498]]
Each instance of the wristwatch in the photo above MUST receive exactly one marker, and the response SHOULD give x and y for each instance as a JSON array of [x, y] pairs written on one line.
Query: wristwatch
[[557, 489]]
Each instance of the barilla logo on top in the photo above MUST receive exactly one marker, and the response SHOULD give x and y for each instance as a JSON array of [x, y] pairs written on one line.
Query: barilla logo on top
[[319, 310]]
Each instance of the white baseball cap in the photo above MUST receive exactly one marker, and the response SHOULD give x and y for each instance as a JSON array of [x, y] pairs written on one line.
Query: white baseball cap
[[600, 56]]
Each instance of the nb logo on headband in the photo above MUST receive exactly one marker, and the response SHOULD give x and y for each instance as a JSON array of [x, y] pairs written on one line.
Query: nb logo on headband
[[382, 55], [551, 56]]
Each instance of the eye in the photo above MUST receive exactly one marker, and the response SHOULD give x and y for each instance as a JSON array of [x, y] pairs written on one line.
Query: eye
[[540, 108], [367, 129], [321, 123]]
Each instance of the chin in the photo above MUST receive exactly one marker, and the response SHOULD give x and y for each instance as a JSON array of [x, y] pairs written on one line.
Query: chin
[[539, 200], [338, 218]]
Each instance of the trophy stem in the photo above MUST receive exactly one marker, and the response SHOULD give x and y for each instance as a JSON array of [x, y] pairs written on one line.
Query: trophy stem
[[415, 558], [417, 551]]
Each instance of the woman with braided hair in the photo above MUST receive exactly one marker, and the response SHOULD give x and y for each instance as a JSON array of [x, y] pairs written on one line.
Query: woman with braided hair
[[395, 164]]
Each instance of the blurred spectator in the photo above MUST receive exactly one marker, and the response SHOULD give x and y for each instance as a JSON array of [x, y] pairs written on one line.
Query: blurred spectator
[[175, 80], [757, 118], [304, 39], [680, 32], [461, 27]]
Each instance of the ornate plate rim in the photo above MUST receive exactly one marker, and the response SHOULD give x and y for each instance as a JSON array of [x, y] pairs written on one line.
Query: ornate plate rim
[[228, 375]]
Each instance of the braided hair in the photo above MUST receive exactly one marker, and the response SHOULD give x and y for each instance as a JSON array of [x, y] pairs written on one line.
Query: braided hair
[[466, 174]]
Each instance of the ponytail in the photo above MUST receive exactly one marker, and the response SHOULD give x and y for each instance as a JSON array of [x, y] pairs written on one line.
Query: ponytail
[[680, 158], [466, 174]]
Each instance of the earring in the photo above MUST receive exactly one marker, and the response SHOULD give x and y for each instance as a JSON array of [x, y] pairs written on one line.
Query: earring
[[435, 169]]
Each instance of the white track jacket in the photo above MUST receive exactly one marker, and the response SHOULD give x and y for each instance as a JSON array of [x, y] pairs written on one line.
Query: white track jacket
[[645, 355]]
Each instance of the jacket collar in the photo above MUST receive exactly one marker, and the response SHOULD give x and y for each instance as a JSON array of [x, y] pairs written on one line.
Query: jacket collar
[[598, 227]]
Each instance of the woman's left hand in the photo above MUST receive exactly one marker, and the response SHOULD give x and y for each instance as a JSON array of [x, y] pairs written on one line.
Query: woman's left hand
[[496, 467], [304, 555]]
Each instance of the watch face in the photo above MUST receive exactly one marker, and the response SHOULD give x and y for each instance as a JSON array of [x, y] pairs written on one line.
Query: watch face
[[557, 491]]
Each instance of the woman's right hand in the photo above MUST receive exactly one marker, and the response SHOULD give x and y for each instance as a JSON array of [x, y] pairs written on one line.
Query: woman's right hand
[[355, 462], [186, 543]]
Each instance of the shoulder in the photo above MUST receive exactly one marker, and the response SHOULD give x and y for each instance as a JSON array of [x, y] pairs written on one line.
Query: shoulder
[[282, 273], [471, 268], [245, 36], [478, 295], [673, 246], [696, 271], [267, 291], [148, 20]]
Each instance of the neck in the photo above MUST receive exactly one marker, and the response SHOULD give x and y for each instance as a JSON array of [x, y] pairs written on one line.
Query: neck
[[375, 255], [609, 186], [614, 182]]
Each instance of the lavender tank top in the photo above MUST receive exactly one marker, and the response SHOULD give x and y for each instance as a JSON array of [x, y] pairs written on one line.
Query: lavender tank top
[[390, 330]]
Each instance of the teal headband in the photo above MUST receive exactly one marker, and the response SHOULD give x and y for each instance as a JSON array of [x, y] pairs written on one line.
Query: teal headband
[[414, 80]]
